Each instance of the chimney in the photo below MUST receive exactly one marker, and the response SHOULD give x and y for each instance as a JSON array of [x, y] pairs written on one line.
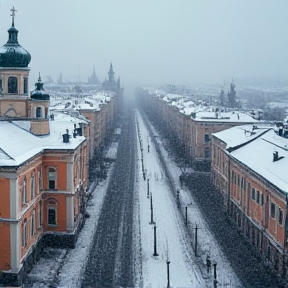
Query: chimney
[[275, 156], [66, 136]]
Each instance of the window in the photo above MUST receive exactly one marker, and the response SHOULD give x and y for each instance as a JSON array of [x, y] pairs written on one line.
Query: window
[[262, 199], [24, 233], [253, 194], [32, 186], [206, 138], [280, 216], [272, 210], [40, 221], [52, 212], [52, 177], [12, 85], [258, 197], [32, 224], [40, 182], [38, 112], [24, 192], [0, 84], [25, 85], [51, 216]]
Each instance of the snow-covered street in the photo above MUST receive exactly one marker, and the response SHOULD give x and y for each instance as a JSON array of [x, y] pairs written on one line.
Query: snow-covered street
[[173, 242], [170, 260]]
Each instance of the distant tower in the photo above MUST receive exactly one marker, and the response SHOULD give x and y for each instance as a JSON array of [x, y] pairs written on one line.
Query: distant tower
[[14, 74], [111, 74], [222, 97], [111, 84], [232, 95], [93, 78]]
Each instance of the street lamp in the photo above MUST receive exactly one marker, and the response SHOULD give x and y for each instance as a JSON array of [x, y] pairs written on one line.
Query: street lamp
[[151, 208], [155, 241]]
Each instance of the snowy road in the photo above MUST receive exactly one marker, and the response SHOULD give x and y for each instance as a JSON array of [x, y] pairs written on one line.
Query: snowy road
[[172, 243]]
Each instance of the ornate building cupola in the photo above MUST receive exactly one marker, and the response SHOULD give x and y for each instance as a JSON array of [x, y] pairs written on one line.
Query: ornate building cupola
[[14, 61], [38, 107], [38, 93], [12, 54]]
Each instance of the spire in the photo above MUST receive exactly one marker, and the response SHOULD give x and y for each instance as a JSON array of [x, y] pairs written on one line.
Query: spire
[[39, 84], [13, 32], [111, 74], [13, 10]]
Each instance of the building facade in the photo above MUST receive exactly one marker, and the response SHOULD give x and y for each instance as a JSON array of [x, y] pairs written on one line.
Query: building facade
[[248, 168], [43, 168]]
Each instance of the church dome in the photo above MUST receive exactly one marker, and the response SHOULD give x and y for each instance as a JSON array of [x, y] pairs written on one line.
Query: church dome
[[12, 54]]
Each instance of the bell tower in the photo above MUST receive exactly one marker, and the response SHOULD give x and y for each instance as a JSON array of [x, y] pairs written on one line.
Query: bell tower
[[14, 74]]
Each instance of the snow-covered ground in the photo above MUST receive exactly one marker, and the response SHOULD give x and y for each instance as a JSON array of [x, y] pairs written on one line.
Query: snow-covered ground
[[173, 243], [186, 270]]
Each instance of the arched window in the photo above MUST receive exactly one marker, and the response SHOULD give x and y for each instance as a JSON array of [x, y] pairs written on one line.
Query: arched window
[[24, 192], [32, 186], [52, 212], [24, 233], [39, 112], [52, 178], [12, 85]]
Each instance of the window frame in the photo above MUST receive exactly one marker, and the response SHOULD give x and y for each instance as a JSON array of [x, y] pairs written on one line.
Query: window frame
[[52, 206], [272, 211]]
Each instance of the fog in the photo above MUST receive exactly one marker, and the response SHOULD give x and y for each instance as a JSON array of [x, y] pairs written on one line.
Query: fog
[[152, 41]]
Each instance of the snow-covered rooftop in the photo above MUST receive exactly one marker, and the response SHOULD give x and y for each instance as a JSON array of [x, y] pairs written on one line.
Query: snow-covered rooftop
[[258, 153], [17, 144]]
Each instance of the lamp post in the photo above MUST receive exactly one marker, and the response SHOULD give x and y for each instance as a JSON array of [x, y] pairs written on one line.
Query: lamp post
[[147, 187], [151, 208], [215, 275], [196, 228], [155, 241], [168, 273]]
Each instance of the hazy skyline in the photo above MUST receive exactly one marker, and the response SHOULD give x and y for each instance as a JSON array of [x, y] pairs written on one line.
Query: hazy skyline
[[152, 41]]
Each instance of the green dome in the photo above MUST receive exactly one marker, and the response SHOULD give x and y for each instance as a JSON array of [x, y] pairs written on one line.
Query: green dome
[[12, 54]]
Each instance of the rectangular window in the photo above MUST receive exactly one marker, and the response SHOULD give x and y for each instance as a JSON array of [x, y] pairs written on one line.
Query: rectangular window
[[253, 194], [272, 210], [258, 197], [280, 216], [206, 138], [25, 88], [51, 216], [262, 199]]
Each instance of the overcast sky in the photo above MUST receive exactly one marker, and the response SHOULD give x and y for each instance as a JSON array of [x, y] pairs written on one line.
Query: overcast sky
[[152, 41]]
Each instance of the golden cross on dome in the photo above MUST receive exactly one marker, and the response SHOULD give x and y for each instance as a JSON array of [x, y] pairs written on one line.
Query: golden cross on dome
[[13, 10]]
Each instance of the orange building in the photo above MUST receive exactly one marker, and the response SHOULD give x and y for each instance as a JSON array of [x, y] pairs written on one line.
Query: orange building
[[188, 124], [43, 168], [249, 165]]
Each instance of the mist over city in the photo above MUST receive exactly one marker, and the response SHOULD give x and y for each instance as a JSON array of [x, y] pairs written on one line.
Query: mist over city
[[153, 42], [143, 144]]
